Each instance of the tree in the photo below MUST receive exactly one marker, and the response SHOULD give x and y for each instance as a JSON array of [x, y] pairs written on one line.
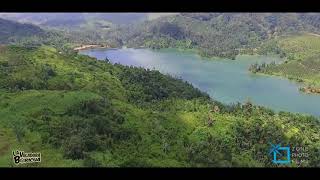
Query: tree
[[74, 147], [19, 129]]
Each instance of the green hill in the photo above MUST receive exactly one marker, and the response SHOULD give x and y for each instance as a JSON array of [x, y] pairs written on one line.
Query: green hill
[[73, 20], [302, 62], [28, 35], [215, 34], [11, 31], [78, 111]]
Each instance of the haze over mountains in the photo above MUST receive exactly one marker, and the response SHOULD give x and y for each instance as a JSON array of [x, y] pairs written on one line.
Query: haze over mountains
[[75, 20], [10, 30]]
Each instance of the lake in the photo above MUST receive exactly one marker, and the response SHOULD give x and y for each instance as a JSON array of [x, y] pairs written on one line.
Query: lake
[[227, 81]]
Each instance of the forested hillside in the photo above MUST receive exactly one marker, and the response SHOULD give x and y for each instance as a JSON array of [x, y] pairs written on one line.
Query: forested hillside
[[29, 35], [215, 34], [74, 20], [210, 34], [78, 111], [11, 31], [302, 64]]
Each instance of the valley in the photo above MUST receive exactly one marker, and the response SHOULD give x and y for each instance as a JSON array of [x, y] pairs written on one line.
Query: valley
[[224, 80], [79, 111], [150, 90]]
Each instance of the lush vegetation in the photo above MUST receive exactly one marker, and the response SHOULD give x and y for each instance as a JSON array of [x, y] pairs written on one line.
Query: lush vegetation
[[214, 34], [75, 20], [10, 31], [302, 60], [210, 34], [78, 111], [65, 40]]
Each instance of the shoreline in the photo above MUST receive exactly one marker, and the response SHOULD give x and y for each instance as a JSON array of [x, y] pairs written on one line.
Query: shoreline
[[193, 50], [296, 89], [310, 90], [304, 88], [90, 46]]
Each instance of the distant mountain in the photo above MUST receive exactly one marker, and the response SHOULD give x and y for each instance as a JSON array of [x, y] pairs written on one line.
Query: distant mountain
[[211, 34], [217, 34], [74, 20], [82, 20], [82, 112], [11, 31], [29, 35]]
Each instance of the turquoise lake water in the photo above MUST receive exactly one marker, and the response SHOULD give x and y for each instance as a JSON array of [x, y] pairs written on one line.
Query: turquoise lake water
[[227, 81]]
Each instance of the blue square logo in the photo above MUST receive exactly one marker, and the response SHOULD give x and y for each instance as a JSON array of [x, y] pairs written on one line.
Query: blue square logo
[[281, 155]]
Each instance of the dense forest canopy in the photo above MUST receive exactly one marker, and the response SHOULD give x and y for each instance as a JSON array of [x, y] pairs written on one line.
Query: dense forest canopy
[[9, 30], [78, 111], [302, 61], [73, 20], [215, 34], [210, 34]]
